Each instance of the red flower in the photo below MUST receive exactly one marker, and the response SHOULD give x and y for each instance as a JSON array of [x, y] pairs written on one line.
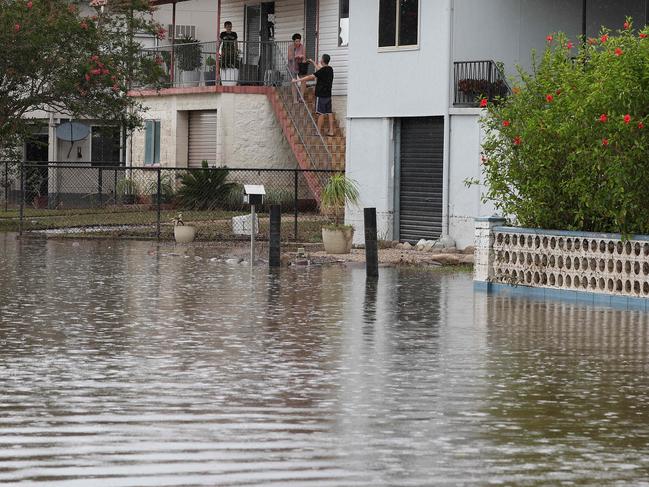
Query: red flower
[[94, 58], [640, 125], [627, 118], [604, 38], [569, 45], [618, 52], [603, 118], [115, 88], [95, 71], [517, 140], [105, 71], [643, 35], [605, 142], [626, 26], [87, 77], [549, 98], [30, 4], [549, 38], [483, 103], [558, 92], [161, 33], [506, 123], [84, 25], [16, 27]]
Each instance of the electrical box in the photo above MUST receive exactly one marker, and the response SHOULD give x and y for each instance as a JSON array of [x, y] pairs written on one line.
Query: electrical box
[[253, 194]]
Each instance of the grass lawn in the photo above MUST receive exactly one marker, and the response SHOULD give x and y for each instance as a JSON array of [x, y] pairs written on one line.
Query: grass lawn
[[141, 222]]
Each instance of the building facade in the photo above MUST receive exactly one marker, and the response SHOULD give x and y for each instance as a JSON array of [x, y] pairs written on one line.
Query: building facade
[[413, 138]]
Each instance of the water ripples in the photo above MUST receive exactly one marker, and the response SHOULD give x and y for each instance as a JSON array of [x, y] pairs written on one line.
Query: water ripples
[[124, 365]]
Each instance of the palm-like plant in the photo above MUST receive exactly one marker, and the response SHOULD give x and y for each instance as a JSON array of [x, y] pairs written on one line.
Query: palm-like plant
[[205, 188], [339, 190]]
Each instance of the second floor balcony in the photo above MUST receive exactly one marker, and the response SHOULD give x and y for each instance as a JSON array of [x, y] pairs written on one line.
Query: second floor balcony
[[477, 80], [188, 63]]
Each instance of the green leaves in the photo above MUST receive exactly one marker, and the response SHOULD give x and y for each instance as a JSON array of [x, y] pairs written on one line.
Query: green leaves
[[53, 58], [205, 188], [559, 163]]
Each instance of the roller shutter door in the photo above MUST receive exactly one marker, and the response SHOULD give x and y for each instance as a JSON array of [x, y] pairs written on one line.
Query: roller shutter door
[[421, 178], [202, 137]]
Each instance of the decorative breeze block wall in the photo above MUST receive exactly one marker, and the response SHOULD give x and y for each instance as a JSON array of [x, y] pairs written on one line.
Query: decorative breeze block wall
[[596, 263]]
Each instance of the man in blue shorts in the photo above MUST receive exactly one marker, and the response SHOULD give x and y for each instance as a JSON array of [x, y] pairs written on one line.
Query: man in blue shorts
[[324, 77]]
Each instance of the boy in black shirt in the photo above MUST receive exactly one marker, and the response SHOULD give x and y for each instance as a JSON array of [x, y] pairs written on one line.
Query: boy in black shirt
[[228, 34], [324, 77]]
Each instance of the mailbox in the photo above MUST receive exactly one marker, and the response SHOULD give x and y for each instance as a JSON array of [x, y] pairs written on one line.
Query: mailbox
[[253, 194]]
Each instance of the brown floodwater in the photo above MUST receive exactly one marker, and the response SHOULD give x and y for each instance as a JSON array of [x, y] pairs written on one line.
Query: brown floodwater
[[122, 364]]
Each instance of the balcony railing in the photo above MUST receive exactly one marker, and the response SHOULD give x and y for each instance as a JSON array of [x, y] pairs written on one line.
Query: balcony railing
[[227, 63], [475, 80]]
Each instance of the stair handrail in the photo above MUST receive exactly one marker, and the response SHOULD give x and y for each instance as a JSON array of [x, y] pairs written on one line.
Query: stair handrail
[[284, 62]]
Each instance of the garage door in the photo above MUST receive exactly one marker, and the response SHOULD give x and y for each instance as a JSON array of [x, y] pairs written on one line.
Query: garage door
[[202, 137], [421, 178]]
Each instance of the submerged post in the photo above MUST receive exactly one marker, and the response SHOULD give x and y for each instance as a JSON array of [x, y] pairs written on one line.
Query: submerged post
[[274, 247], [371, 244]]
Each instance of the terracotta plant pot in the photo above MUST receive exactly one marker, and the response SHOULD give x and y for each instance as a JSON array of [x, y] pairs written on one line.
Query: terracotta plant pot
[[184, 233], [338, 240]]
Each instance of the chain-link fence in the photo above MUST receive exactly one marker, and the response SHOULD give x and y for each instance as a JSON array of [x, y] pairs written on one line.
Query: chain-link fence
[[112, 200]]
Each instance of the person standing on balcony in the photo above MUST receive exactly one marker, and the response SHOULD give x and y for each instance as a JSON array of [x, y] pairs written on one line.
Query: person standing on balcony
[[228, 34], [324, 77], [297, 63]]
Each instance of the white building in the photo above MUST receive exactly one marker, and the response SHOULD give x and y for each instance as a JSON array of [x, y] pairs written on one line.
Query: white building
[[412, 141]]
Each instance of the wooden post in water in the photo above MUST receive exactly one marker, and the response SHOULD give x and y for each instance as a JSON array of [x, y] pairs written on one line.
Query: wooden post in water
[[371, 244], [274, 246]]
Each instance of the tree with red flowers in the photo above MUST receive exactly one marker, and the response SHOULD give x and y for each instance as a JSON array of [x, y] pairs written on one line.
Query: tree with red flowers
[[569, 149], [53, 58]]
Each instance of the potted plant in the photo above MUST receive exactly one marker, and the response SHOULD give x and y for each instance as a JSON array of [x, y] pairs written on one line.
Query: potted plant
[[230, 62], [183, 233], [340, 190], [127, 191], [188, 57], [210, 71]]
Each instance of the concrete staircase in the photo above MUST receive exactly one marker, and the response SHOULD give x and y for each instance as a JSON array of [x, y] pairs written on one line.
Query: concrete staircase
[[311, 150]]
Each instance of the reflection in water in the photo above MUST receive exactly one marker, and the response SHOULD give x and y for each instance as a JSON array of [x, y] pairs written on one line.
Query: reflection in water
[[134, 367]]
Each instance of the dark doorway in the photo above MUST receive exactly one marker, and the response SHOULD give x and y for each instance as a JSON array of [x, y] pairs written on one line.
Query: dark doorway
[[36, 172], [311, 30], [105, 146]]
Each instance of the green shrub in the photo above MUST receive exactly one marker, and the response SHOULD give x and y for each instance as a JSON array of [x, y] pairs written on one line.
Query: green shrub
[[568, 150], [188, 54], [205, 189]]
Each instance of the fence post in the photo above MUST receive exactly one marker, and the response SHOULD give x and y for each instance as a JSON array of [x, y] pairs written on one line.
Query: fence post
[[99, 186], [158, 204], [371, 245], [22, 198], [6, 187], [274, 237], [295, 209]]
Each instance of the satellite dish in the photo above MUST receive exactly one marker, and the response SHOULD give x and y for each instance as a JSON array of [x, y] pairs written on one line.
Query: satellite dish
[[72, 131]]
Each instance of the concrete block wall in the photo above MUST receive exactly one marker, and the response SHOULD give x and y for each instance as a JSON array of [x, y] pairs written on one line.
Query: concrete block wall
[[599, 264]]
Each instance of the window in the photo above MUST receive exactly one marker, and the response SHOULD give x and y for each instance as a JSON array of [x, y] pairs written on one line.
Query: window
[[152, 142], [398, 23], [343, 23], [182, 31]]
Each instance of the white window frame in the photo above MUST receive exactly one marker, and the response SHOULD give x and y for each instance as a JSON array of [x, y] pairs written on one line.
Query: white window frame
[[397, 47]]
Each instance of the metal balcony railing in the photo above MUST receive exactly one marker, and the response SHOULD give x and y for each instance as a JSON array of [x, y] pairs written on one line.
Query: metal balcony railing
[[475, 80], [190, 64]]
